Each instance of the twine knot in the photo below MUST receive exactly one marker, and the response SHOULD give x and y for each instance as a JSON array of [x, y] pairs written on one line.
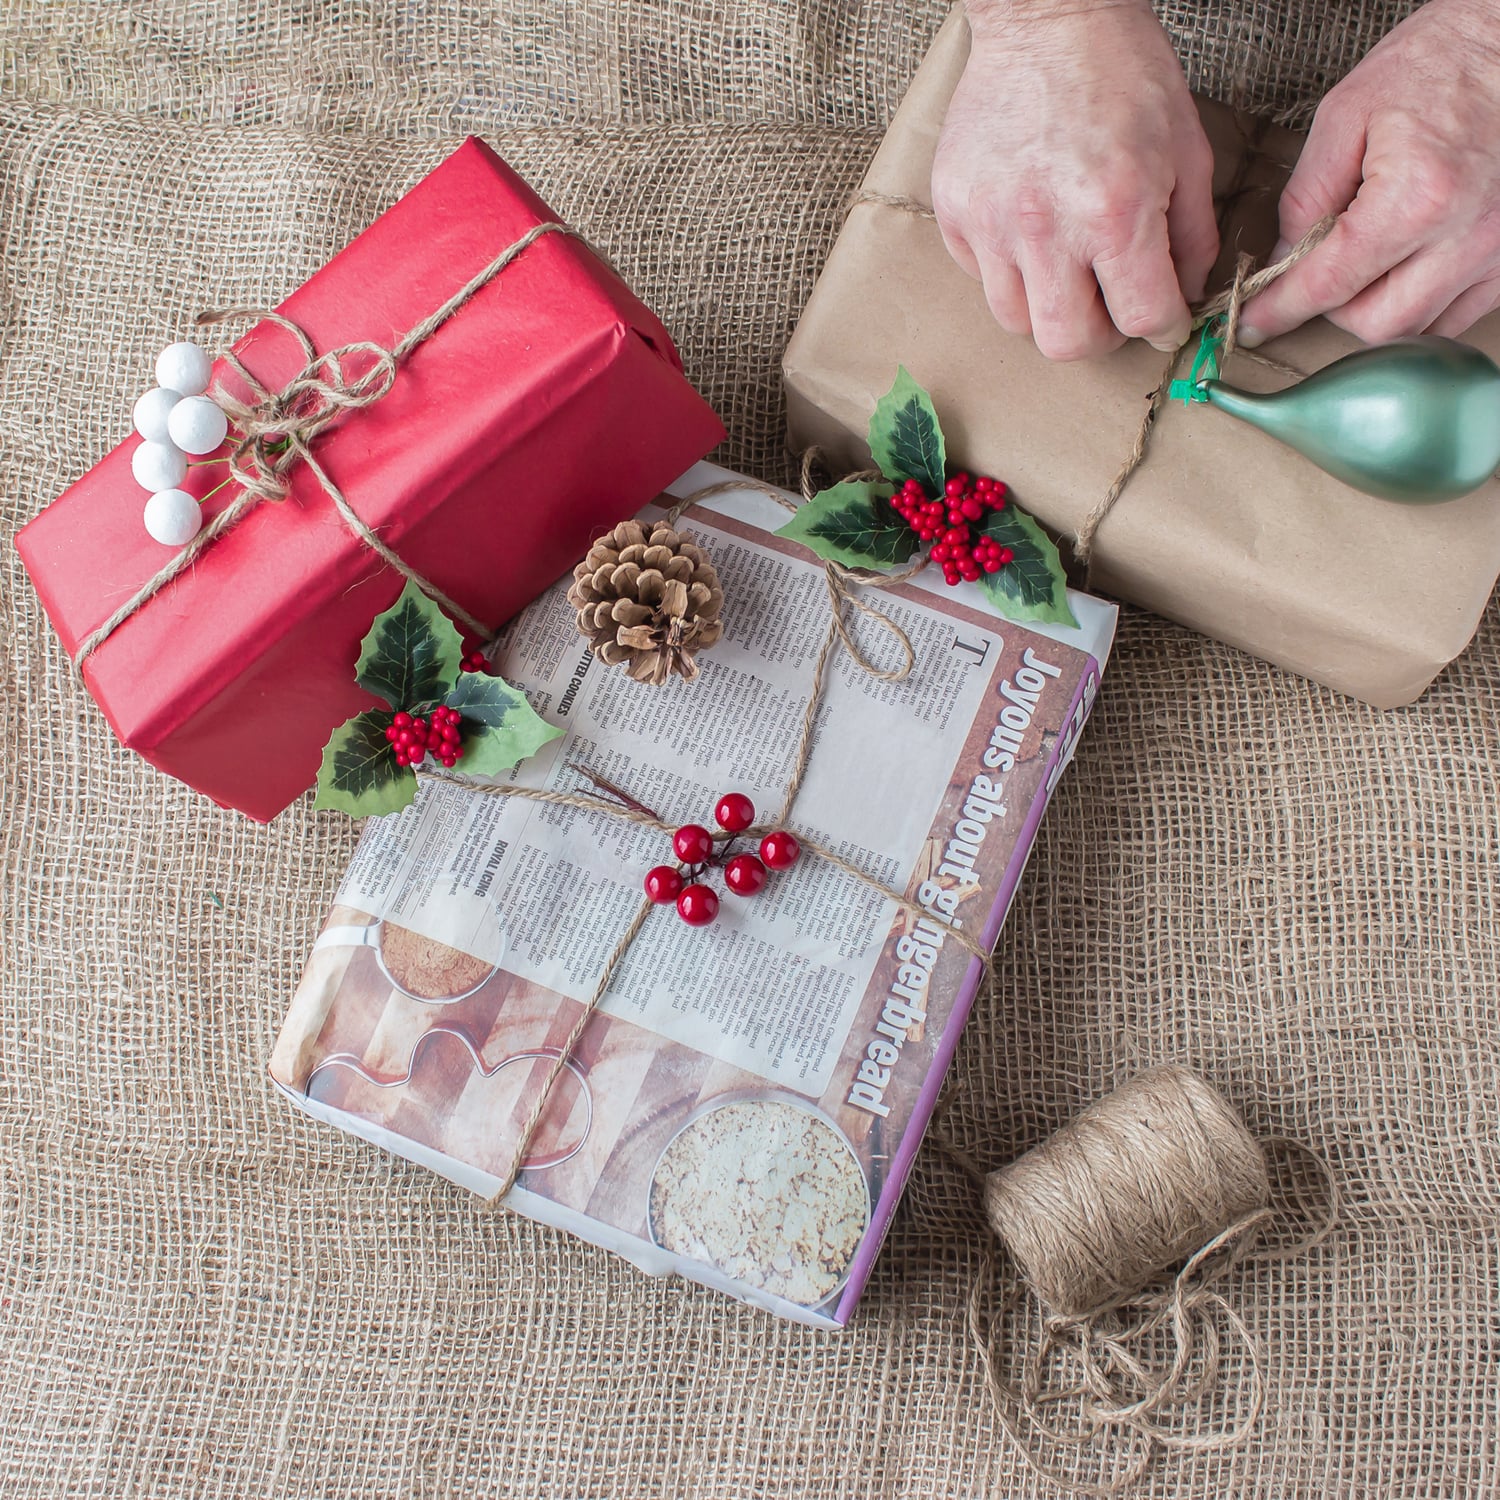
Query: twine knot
[[277, 428]]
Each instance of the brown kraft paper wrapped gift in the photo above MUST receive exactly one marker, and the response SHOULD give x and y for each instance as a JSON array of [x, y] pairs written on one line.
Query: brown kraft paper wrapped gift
[[1222, 528]]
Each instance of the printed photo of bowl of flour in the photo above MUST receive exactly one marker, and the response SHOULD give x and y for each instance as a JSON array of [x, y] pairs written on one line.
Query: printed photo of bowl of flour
[[766, 1189]]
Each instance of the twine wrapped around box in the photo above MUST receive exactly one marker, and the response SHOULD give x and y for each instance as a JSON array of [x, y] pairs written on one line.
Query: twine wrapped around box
[[842, 584], [278, 428], [1225, 305]]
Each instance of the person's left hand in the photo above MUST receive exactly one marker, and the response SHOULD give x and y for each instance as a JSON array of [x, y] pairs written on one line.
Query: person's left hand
[[1406, 152]]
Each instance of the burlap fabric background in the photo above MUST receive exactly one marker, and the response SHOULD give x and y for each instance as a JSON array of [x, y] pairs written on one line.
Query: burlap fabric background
[[200, 1293]]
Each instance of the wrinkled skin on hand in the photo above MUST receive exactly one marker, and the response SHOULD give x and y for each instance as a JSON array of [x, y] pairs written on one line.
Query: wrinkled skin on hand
[[1073, 177], [1406, 151]]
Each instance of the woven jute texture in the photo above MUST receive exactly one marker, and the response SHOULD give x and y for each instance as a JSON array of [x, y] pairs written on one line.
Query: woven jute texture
[[203, 1294]]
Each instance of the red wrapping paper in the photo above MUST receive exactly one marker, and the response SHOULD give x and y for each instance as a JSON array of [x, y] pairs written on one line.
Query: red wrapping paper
[[550, 407]]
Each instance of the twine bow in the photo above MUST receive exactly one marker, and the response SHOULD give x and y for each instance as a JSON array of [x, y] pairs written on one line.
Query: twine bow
[[277, 430], [843, 583]]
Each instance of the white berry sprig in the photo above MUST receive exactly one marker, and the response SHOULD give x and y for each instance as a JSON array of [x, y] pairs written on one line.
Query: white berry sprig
[[174, 420]]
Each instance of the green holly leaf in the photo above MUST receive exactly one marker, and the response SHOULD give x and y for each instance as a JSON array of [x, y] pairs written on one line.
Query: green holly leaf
[[853, 524], [508, 728], [905, 437], [359, 774], [1032, 586], [412, 653]]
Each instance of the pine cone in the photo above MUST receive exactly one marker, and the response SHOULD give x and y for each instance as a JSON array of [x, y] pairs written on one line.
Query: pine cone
[[649, 601]]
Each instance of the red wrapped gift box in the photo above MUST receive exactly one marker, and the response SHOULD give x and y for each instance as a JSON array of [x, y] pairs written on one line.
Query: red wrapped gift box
[[550, 407]]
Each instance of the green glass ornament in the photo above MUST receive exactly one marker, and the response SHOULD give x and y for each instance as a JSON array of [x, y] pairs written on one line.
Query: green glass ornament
[[1416, 420]]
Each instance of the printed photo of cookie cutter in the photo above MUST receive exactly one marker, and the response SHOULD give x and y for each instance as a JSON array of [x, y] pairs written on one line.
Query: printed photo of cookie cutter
[[369, 937], [538, 1163]]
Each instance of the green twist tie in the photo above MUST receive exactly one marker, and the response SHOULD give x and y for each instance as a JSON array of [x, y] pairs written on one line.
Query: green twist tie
[[1205, 365]]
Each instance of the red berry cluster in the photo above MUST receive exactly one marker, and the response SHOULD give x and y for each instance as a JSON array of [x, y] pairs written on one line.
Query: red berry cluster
[[474, 661], [698, 904], [948, 523], [413, 736]]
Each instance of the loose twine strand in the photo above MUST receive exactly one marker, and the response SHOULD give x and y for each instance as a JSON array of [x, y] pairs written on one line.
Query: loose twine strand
[[1227, 304], [277, 430], [841, 583], [1081, 1213]]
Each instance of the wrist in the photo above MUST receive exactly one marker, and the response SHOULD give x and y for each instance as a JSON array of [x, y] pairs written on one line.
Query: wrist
[[1002, 15]]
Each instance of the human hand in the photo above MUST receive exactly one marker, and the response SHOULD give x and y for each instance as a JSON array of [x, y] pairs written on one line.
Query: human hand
[[1406, 151], [1073, 177]]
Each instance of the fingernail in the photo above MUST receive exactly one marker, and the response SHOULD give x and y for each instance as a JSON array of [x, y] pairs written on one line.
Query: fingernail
[[1249, 338], [1280, 249], [1170, 343]]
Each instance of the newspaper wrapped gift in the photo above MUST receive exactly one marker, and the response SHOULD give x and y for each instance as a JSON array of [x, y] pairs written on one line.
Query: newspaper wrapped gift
[[1222, 528], [744, 1107]]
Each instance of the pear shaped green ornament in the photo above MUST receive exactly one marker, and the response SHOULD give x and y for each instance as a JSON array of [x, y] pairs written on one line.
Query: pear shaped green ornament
[[1416, 420]]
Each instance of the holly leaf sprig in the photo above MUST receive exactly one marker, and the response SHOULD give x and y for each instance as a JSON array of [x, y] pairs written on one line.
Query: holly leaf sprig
[[857, 522], [413, 660]]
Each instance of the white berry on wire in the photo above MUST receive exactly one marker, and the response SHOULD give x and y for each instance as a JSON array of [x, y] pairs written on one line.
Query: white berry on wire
[[173, 517], [151, 411], [158, 466], [196, 425], [184, 368]]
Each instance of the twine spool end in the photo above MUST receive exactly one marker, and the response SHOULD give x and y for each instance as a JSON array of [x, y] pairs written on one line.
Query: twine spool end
[[1142, 1179]]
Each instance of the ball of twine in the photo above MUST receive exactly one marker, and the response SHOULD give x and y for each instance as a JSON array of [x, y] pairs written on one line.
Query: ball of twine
[[1139, 1181]]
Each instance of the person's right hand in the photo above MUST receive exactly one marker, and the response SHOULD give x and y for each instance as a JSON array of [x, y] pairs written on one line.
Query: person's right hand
[[1073, 177]]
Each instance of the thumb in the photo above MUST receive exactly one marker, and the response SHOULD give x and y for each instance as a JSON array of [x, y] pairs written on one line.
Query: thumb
[[1323, 184]]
